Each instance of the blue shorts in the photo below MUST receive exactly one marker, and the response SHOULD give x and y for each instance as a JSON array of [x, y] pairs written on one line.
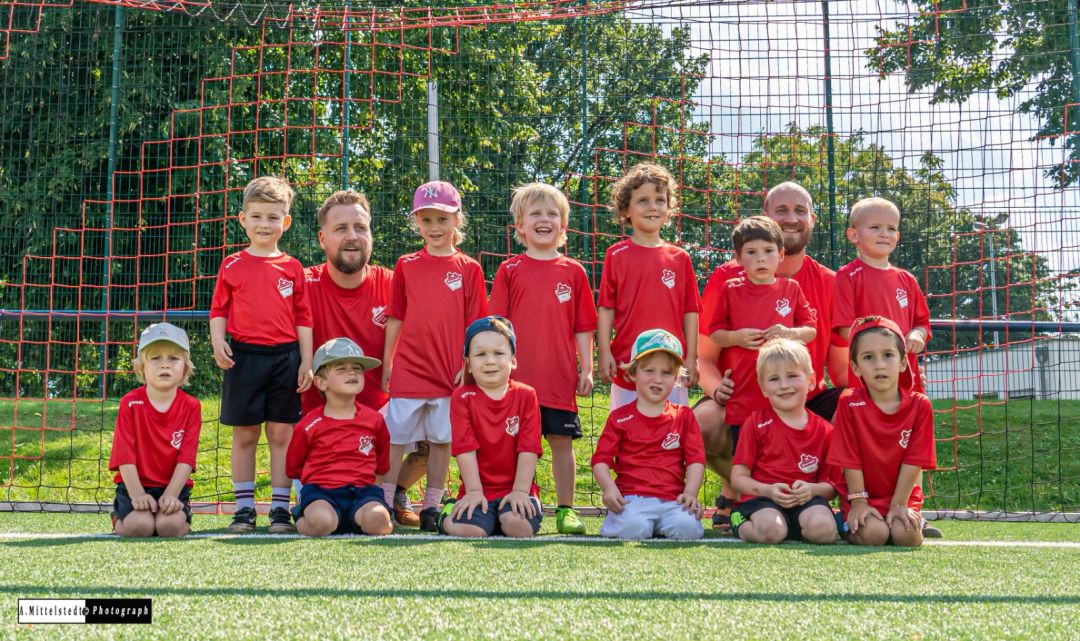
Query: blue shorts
[[489, 521], [346, 501]]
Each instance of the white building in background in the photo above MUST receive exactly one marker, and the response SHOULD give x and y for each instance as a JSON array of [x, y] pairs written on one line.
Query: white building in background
[[1044, 368]]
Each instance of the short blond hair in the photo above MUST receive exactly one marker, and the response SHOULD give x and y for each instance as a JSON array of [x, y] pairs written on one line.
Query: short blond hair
[[343, 197], [269, 189], [781, 351], [158, 347], [531, 193], [866, 205], [639, 174]]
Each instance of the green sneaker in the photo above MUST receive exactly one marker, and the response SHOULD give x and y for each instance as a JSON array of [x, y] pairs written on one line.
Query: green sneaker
[[567, 521], [737, 519], [444, 513]]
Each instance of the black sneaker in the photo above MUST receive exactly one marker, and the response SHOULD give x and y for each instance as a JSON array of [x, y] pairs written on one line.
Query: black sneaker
[[243, 521], [721, 518], [931, 532], [429, 519], [281, 521]]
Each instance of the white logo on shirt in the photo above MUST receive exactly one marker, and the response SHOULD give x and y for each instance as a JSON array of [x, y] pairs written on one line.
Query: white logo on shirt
[[858, 404], [130, 403], [855, 271], [378, 316], [905, 436], [901, 297], [562, 292], [808, 463], [453, 281], [365, 445], [668, 278], [624, 419], [783, 307], [284, 287], [467, 394], [671, 441], [307, 428], [233, 262], [177, 439], [409, 259], [616, 251], [768, 422], [513, 264], [512, 425], [734, 283]]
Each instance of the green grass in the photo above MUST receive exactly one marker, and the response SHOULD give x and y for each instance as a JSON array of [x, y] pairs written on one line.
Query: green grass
[[1018, 456], [356, 588]]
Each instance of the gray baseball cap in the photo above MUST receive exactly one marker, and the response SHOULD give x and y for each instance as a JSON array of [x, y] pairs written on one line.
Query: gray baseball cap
[[164, 332], [336, 350]]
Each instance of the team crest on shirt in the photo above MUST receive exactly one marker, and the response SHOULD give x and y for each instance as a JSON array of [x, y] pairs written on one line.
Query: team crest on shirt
[[667, 277], [671, 441], [901, 297], [284, 287], [808, 463], [905, 436], [562, 292], [378, 316], [177, 439], [512, 425], [783, 307], [366, 444], [453, 281]]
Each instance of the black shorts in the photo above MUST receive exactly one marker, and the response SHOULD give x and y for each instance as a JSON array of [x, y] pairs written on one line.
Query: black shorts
[[122, 502], [261, 385], [824, 404], [734, 437], [346, 501], [559, 423], [489, 521], [790, 515]]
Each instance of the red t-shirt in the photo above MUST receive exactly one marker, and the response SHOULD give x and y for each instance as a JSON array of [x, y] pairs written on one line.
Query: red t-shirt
[[775, 452], [649, 288], [817, 283], [497, 430], [359, 314], [333, 452], [650, 454], [867, 439], [155, 442], [435, 297], [263, 297], [548, 301], [864, 290], [743, 304]]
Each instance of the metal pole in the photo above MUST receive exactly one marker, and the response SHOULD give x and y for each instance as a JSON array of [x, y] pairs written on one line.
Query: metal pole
[[829, 142], [585, 235], [114, 110], [433, 129], [347, 77]]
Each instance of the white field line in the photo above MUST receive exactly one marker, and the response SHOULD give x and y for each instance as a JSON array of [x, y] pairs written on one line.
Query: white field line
[[20, 536]]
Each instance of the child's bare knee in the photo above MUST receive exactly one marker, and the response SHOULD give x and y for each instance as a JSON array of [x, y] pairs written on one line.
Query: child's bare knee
[[465, 530], [819, 527], [912, 538], [515, 526], [246, 437], [873, 532], [279, 434], [374, 519], [560, 443], [137, 524], [317, 520], [172, 525]]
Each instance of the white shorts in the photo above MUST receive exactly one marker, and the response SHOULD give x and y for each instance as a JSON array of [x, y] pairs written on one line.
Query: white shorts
[[645, 517], [418, 419], [621, 396]]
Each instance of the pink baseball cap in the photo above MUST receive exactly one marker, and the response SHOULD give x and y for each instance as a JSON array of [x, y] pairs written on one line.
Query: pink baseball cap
[[436, 194]]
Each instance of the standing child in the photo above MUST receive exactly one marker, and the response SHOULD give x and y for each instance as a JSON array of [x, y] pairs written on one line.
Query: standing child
[[883, 440], [434, 295], [646, 282], [547, 298], [779, 468], [655, 449], [338, 449], [871, 285], [496, 424], [260, 300], [156, 439]]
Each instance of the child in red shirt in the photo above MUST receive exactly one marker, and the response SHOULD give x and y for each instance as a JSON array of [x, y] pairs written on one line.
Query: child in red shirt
[[434, 295], [871, 285], [338, 449], [496, 424], [548, 299], [655, 449], [883, 440], [779, 468], [156, 439], [260, 300], [646, 283]]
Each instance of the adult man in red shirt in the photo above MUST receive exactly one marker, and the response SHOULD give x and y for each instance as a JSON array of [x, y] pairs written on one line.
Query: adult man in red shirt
[[348, 299]]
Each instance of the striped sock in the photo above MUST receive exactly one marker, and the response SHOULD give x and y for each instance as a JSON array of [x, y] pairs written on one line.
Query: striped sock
[[245, 494], [432, 497], [279, 497], [388, 492]]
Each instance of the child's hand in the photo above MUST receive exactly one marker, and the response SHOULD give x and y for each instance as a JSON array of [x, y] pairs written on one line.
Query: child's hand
[[614, 501], [916, 341], [466, 505], [520, 504], [608, 367], [144, 503], [776, 331], [780, 493], [690, 503], [584, 384], [692, 375], [303, 378], [907, 517], [223, 355], [386, 377], [859, 513], [459, 378], [724, 389], [749, 337], [169, 504], [802, 491]]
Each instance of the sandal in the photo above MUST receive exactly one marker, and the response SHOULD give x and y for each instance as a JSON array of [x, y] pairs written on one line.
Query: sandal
[[721, 518]]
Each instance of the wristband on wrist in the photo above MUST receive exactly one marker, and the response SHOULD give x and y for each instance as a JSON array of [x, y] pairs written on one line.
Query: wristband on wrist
[[858, 495]]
